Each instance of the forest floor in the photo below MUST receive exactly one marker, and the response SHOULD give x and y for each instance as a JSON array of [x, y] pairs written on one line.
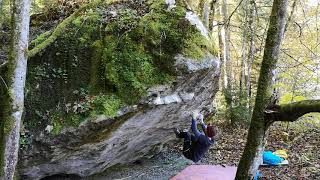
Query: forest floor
[[300, 139]]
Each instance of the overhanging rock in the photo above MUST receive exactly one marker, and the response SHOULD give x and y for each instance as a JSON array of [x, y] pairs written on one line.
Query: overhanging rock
[[138, 131]]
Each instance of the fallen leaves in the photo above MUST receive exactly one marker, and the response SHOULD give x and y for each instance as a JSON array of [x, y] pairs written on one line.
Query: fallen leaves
[[302, 148]]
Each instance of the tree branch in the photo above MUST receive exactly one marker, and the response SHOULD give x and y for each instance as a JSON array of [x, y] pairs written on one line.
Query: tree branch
[[228, 21], [293, 111], [291, 15]]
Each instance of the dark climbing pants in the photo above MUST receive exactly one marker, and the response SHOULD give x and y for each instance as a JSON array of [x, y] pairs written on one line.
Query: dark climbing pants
[[187, 140]]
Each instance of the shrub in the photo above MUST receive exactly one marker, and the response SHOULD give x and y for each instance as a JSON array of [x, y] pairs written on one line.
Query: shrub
[[239, 114]]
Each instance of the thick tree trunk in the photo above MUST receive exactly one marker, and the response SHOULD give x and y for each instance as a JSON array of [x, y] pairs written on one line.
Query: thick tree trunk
[[228, 69], [16, 76], [251, 157]]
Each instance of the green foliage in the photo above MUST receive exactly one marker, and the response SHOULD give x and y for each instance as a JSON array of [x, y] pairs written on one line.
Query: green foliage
[[134, 51], [237, 114], [240, 114], [198, 47], [47, 71], [106, 105], [308, 121], [72, 114], [126, 20], [289, 98], [138, 51], [60, 29], [57, 127], [23, 141], [129, 68], [160, 29]]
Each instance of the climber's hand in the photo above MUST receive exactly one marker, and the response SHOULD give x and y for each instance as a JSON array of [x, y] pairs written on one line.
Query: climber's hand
[[200, 118], [195, 115]]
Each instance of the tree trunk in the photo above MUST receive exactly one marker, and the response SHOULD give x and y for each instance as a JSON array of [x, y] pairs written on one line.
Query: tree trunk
[[1, 12], [1, 19], [252, 154], [244, 49], [200, 8], [251, 26], [228, 69], [206, 13], [14, 100], [221, 32], [213, 13], [222, 63]]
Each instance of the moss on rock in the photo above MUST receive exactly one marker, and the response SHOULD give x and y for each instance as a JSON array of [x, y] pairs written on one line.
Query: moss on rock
[[119, 50]]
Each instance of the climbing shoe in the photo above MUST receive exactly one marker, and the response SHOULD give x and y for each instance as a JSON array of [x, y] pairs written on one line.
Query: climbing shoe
[[177, 132]]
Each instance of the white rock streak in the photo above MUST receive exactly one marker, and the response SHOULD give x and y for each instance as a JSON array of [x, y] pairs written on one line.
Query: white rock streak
[[171, 4], [195, 20]]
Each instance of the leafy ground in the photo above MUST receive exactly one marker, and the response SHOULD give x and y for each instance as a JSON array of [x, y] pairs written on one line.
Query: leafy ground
[[301, 140]]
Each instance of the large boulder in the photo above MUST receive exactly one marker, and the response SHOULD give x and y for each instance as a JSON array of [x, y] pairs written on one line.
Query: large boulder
[[137, 131], [154, 89]]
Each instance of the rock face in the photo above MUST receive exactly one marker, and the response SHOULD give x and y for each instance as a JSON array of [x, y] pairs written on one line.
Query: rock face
[[136, 132]]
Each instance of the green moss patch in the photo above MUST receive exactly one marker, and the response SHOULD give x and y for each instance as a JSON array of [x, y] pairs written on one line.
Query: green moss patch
[[73, 113]]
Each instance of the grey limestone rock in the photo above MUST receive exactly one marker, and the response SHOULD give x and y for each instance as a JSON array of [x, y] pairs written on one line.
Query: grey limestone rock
[[137, 131]]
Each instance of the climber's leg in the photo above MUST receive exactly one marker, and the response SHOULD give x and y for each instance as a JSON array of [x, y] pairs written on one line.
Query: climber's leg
[[178, 133], [193, 138], [187, 144], [187, 137]]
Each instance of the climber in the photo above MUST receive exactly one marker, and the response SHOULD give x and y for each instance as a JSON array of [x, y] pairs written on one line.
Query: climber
[[197, 144]]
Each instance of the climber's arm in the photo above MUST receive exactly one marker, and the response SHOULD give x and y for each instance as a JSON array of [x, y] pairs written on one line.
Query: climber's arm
[[194, 129], [203, 126]]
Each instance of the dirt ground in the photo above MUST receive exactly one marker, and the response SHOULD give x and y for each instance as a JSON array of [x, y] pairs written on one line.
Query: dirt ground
[[301, 140]]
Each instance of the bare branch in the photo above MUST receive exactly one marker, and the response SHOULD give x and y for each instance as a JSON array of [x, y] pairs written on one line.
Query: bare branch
[[299, 63], [227, 22], [291, 14]]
